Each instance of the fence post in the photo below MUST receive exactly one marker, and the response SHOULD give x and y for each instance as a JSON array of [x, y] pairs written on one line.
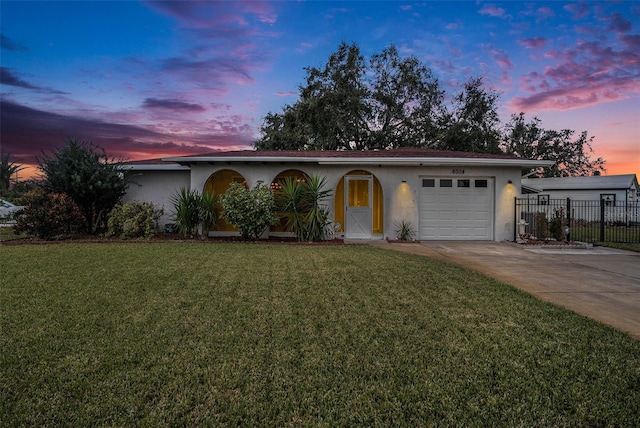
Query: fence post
[[569, 225], [601, 220], [515, 219]]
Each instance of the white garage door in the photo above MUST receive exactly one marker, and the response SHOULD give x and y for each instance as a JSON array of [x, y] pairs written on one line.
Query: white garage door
[[456, 208]]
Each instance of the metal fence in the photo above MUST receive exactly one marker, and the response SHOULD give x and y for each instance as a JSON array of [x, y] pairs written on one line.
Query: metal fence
[[572, 220]]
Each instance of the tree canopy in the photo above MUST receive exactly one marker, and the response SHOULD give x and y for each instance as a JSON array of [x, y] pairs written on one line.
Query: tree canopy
[[390, 102], [572, 154], [88, 176]]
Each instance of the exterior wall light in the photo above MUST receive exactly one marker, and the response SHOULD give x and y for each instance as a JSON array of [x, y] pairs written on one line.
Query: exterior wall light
[[404, 180], [510, 182]]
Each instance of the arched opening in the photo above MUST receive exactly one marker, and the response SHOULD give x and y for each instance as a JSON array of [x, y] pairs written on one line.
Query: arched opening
[[218, 183], [275, 186], [358, 194]]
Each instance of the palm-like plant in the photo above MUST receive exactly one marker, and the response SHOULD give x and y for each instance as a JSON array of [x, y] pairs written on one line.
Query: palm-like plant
[[208, 212], [404, 230], [7, 169], [300, 201], [317, 215], [290, 202], [192, 210]]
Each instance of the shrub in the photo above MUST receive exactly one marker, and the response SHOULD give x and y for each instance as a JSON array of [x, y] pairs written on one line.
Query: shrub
[[542, 226], [558, 224], [49, 215], [301, 205], [208, 212], [134, 220], [404, 230], [317, 218], [193, 210], [93, 180], [250, 211]]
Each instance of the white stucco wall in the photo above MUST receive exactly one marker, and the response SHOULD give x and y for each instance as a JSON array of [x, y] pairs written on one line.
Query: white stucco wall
[[401, 200], [157, 187]]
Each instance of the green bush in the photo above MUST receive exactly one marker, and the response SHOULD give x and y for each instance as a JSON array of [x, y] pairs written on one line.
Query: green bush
[[302, 208], [49, 216], [542, 226], [134, 220], [557, 225], [193, 210], [404, 230], [250, 211], [208, 212], [84, 172]]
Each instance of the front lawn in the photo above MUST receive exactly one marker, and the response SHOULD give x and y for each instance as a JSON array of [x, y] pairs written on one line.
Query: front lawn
[[276, 335]]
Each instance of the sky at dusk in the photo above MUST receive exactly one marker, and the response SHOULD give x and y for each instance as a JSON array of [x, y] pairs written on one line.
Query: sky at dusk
[[147, 79]]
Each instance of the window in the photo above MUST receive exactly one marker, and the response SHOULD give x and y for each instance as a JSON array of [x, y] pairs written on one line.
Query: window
[[481, 183], [464, 183], [446, 183], [609, 199], [428, 182]]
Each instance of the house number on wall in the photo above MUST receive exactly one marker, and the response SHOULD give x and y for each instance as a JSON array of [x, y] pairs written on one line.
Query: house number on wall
[[457, 171]]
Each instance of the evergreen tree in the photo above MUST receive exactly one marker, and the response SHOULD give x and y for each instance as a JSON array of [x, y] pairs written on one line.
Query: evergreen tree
[[87, 175]]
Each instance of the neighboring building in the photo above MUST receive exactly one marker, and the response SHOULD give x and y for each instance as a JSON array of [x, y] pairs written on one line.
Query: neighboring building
[[610, 188], [446, 195], [620, 195]]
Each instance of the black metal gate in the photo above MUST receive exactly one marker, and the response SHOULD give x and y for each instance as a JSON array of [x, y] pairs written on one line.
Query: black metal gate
[[585, 221]]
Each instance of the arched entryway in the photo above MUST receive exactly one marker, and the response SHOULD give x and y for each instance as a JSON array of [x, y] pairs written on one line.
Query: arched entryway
[[358, 205], [218, 183], [275, 186]]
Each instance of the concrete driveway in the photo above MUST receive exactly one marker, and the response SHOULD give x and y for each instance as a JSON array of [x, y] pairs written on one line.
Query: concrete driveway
[[600, 283]]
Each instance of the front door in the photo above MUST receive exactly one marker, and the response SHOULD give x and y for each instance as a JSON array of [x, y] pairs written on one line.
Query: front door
[[358, 202]]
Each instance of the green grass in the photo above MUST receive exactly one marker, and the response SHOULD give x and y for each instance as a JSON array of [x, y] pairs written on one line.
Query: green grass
[[276, 335], [622, 246], [612, 234]]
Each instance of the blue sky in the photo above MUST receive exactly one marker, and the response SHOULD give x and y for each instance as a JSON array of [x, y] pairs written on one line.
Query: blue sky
[[151, 79]]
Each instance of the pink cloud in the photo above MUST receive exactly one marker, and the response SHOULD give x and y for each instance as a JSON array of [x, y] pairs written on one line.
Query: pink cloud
[[533, 42], [209, 13], [173, 105], [570, 97], [545, 12], [28, 131], [491, 9], [262, 9], [578, 10], [501, 57], [589, 73]]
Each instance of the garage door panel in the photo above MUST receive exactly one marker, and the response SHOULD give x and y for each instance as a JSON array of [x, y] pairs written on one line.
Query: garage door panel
[[463, 215], [445, 215], [481, 232], [482, 215], [460, 212]]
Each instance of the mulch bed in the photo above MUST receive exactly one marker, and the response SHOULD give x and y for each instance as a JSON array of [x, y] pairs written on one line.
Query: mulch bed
[[553, 244], [167, 237]]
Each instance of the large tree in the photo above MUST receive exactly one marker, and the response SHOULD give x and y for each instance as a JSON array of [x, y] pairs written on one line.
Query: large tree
[[393, 102], [347, 104], [86, 174], [473, 125], [334, 101], [407, 102], [573, 155]]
